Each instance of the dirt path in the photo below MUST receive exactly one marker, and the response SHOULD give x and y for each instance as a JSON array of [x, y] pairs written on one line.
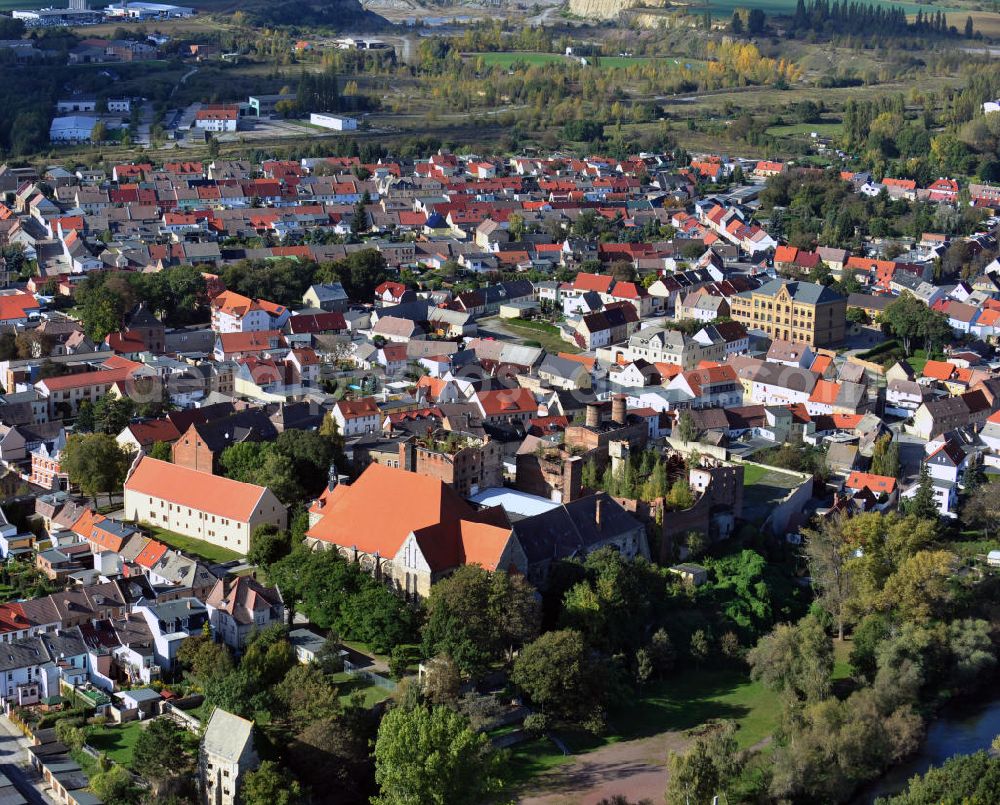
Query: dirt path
[[637, 769]]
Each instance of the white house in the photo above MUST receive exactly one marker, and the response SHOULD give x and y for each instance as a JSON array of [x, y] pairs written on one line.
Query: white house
[[171, 623], [356, 417], [239, 605], [217, 118]]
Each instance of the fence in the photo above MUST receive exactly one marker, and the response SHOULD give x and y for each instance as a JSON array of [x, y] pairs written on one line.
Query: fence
[[186, 720], [370, 676]]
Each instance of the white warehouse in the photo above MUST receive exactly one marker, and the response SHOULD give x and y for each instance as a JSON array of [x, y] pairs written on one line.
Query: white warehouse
[[334, 122]]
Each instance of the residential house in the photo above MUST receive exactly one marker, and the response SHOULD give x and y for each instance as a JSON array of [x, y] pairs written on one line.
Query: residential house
[[171, 623], [240, 605], [357, 417]]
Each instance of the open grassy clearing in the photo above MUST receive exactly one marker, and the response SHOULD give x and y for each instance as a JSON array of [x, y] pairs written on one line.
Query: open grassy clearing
[[752, 473], [841, 660], [508, 59], [547, 336], [676, 704], [807, 129]]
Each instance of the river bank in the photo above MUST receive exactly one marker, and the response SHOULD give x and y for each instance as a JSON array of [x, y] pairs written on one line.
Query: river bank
[[964, 731]]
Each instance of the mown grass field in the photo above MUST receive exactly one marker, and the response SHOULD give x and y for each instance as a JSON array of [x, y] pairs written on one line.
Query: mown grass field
[[116, 741]]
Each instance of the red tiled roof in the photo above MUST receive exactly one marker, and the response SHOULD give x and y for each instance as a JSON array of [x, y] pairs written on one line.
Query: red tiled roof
[[200, 491], [867, 480]]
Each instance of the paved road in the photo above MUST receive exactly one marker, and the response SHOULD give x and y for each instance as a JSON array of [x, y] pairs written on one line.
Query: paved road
[[15, 764]]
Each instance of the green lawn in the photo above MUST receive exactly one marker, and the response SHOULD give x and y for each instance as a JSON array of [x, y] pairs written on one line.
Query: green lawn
[[531, 758], [822, 129], [117, 742], [764, 489], [918, 360], [752, 474], [195, 547], [202, 712], [348, 685], [546, 335], [685, 701], [675, 704]]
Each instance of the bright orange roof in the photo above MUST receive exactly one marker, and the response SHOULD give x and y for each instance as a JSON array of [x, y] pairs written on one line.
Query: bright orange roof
[[667, 371], [938, 370], [84, 525], [434, 385], [825, 391], [384, 506], [507, 401], [785, 254], [586, 361], [151, 553], [212, 494], [867, 480], [820, 364], [14, 307]]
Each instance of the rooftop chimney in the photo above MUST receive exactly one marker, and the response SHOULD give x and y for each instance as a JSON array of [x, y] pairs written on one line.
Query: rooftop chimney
[[619, 409]]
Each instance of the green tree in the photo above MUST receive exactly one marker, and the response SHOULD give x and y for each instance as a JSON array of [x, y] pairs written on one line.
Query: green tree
[[922, 504], [96, 463], [699, 648], [707, 769], [432, 756], [268, 544], [561, 675], [477, 617], [904, 318], [921, 588], [964, 778], [686, 429], [270, 784], [161, 753], [112, 414], [204, 659], [161, 451], [795, 659], [304, 696], [115, 786], [830, 568], [885, 456]]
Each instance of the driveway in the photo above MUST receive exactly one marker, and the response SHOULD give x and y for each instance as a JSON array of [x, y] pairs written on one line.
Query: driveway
[[14, 763]]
